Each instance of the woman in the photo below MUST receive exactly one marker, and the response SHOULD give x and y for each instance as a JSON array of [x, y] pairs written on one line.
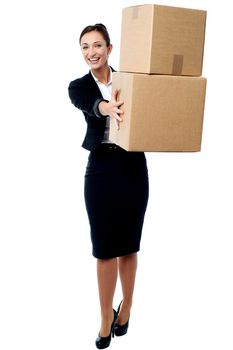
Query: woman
[[116, 185]]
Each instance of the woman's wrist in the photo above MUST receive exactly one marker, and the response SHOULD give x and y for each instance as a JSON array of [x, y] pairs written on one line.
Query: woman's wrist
[[96, 108], [103, 108]]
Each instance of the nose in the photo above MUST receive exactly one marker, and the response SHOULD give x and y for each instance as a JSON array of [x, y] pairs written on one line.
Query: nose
[[91, 51]]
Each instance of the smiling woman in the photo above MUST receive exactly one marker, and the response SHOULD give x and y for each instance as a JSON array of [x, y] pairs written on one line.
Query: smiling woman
[[115, 179], [96, 47]]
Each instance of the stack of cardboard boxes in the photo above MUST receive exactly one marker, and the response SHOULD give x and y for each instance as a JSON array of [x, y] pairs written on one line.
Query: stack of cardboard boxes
[[160, 79]]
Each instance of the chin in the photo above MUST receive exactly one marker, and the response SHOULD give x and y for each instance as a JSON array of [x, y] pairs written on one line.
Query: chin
[[96, 67]]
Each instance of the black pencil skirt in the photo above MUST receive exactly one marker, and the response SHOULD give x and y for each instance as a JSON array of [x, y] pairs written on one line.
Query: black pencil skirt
[[116, 193]]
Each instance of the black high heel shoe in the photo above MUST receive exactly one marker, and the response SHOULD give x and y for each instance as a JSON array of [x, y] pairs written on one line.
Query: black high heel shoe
[[104, 342], [121, 329]]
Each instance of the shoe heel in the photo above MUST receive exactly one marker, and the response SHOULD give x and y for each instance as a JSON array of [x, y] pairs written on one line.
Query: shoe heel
[[104, 342], [120, 330]]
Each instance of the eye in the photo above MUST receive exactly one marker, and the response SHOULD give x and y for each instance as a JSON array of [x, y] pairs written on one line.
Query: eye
[[84, 47], [98, 45]]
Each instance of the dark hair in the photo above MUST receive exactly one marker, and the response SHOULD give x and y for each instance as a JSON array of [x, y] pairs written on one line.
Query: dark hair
[[99, 27]]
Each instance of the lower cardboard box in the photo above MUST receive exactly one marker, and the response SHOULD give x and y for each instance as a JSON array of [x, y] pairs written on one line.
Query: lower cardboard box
[[161, 112]]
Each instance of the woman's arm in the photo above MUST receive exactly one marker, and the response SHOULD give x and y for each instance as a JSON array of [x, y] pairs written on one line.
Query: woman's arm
[[83, 98], [112, 108]]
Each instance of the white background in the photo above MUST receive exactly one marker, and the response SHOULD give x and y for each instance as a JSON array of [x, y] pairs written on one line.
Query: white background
[[48, 294]]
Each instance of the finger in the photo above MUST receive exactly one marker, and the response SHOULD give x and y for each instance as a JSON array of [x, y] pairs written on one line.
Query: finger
[[115, 94], [116, 116], [119, 103], [118, 94], [116, 124], [118, 111]]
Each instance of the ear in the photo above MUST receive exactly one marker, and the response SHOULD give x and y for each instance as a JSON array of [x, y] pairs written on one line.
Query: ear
[[109, 49]]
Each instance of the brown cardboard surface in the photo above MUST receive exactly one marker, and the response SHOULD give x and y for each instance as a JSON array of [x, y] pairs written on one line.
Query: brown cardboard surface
[[161, 112], [158, 39]]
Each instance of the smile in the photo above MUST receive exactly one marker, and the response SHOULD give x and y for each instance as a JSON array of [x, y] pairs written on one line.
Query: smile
[[93, 60]]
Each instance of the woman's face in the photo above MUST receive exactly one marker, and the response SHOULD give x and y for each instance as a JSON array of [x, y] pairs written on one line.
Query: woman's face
[[94, 50]]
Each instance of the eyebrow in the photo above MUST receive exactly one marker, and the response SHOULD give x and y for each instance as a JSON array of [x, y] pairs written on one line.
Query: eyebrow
[[95, 42]]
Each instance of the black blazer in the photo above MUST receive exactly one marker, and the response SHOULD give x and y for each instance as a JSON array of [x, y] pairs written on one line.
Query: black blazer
[[86, 96]]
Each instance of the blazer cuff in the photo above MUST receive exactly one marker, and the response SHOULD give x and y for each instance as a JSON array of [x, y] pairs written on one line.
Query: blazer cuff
[[96, 107]]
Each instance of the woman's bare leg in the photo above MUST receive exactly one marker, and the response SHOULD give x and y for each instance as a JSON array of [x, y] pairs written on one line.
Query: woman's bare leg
[[127, 271], [107, 276]]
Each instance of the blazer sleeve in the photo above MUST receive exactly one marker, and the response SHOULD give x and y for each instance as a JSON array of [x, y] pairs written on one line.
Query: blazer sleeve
[[85, 95]]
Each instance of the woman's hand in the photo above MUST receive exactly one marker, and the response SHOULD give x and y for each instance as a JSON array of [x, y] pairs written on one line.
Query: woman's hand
[[112, 108]]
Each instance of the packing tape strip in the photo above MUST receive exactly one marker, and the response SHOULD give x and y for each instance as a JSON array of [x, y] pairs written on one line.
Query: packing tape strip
[[135, 10], [177, 66]]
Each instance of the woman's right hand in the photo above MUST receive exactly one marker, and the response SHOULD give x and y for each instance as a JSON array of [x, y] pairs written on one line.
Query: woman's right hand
[[112, 108]]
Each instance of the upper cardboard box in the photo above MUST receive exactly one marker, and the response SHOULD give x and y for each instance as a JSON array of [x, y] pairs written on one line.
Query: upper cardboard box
[[159, 39]]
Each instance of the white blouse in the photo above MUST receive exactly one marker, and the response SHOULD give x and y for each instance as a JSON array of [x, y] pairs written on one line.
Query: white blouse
[[106, 91]]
